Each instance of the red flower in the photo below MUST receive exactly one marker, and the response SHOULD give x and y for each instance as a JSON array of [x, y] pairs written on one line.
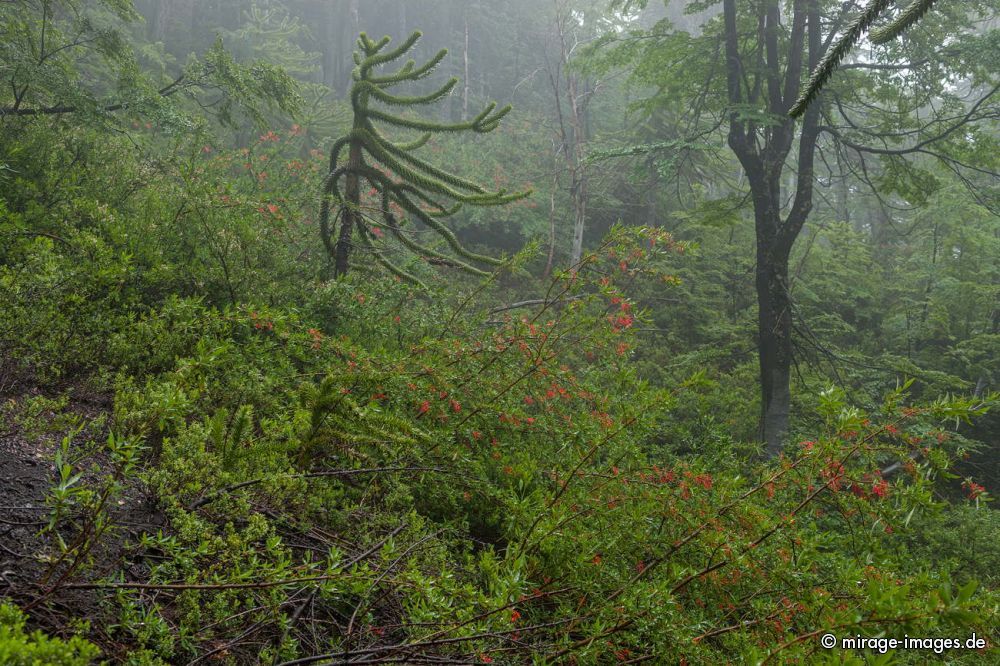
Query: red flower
[[425, 407], [486, 659], [317, 337], [972, 489], [621, 322], [456, 406], [881, 489], [515, 616]]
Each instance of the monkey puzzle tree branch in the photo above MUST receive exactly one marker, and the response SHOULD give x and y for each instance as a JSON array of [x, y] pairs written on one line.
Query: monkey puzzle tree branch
[[404, 183], [824, 70], [910, 16]]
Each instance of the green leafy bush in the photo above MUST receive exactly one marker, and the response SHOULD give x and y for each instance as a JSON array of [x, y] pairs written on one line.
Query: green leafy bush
[[20, 648]]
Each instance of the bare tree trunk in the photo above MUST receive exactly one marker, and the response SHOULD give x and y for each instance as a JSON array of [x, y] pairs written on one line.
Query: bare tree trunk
[[465, 79], [579, 193], [158, 25], [354, 28], [355, 16], [774, 332], [330, 61], [843, 194], [763, 153], [578, 190], [575, 142], [552, 219]]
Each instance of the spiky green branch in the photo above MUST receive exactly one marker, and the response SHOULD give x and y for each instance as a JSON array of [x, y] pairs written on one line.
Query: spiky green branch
[[826, 67], [855, 32], [423, 192], [909, 17]]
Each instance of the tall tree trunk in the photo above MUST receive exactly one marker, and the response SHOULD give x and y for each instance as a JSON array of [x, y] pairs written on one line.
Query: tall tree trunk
[[552, 218], [575, 139], [352, 29], [774, 331], [350, 213], [579, 192], [465, 79], [843, 194], [881, 236], [763, 151], [330, 60]]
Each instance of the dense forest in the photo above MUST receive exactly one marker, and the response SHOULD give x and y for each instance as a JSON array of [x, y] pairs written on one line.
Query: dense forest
[[511, 332]]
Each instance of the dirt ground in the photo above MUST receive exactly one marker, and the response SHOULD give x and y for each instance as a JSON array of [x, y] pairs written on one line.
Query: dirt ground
[[27, 472]]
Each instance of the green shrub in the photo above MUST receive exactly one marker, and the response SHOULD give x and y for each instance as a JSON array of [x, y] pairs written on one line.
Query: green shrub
[[20, 648]]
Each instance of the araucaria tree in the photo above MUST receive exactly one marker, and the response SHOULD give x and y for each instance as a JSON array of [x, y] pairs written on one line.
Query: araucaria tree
[[404, 187]]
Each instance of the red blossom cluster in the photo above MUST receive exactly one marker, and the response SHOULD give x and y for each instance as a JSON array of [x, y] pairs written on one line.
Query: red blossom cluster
[[972, 489], [834, 474], [317, 337], [260, 324]]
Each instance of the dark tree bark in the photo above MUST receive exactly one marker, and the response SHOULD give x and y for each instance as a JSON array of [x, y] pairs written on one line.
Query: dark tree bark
[[772, 80], [350, 212]]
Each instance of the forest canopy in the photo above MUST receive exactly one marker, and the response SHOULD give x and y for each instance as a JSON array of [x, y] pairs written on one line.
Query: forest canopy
[[512, 332]]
